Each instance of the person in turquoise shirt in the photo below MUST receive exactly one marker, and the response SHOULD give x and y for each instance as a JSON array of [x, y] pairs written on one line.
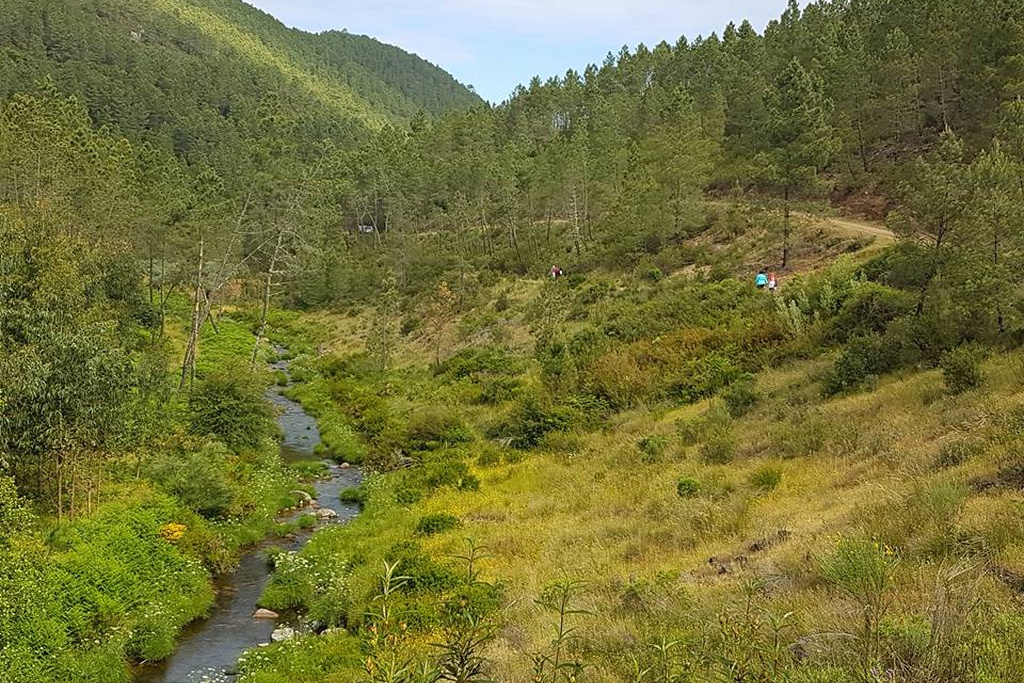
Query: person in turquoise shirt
[[761, 281]]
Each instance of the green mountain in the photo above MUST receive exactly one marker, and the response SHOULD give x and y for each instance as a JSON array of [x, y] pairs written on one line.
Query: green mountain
[[200, 76]]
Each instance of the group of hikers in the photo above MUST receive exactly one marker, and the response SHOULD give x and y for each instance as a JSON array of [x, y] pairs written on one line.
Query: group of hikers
[[766, 279]]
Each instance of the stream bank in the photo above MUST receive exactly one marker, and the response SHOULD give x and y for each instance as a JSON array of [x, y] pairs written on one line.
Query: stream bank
[[208, 650]]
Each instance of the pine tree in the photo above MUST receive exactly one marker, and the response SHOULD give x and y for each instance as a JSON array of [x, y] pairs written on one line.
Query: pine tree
[[800, 139]]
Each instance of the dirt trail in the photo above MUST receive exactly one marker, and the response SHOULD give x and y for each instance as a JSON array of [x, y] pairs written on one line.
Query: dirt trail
[[851, 225]]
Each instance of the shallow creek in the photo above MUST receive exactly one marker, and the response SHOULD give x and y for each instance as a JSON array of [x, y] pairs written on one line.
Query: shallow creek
[[208, 650]]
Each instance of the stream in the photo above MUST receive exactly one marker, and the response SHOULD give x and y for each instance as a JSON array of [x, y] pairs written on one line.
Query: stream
[[208, 650]]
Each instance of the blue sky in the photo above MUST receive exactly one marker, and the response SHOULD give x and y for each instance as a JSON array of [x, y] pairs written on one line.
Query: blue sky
[[495, 45]]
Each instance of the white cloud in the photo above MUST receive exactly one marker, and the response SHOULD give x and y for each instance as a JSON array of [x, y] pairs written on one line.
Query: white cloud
[[622, 20], [600, 16]]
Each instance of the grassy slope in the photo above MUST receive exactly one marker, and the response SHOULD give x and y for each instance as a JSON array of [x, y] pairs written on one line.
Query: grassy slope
[[922, 473]]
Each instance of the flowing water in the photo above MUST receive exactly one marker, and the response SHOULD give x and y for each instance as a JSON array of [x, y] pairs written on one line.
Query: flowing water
[[208, 650]]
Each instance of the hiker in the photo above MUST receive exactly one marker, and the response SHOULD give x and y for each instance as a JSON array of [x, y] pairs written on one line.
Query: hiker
[[761, 281], [556, 272], [773, 282]]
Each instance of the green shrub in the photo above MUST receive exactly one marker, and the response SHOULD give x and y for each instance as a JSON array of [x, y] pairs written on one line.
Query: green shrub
[[228, 404], [292, 582], [474, 362], [420, 570], [869, 310], [766, 478], [688, 487], [561, 443], [653, 447], [408, 493], [862, 568], [653, 274], [535, 417], [437, 523], [14, 516], [199, 480], [740, 396], [489, 456], [498, 390], [356, 495], [452, 473], [719, 447], [436, 427], [961, 369], [862, 357]]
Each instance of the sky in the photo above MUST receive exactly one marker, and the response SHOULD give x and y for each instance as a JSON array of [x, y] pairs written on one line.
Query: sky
[[495, 45]]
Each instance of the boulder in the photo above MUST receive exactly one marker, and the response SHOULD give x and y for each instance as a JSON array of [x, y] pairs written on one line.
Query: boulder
[[326, 513], [282, 634], [265, 614], [344, 466], [304, 498]]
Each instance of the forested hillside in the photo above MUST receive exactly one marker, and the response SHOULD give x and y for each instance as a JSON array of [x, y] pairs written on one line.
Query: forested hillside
[[203, 77], [644, 469]]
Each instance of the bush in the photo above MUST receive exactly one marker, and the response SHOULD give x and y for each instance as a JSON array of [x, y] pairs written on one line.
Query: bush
[[355, 495], [653, 447], [14, 516], [719, 447], [199, 480], [861, 568], [869, 311], [498, 390], [653, 274], [437, 523], [473, 362], [434, 428], [688, 487], [489, 457], [766, 478], [440, 473], [740, 397], [420, 570], [961, 369], [228, 404], [535, 418], [862, 358]]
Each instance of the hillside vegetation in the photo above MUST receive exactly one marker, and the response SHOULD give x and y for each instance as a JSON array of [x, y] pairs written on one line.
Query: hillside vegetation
[[199, 76], [646, 470]]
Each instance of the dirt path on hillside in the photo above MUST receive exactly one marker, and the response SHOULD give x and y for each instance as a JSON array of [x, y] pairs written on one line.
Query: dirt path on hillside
[[851, 225]]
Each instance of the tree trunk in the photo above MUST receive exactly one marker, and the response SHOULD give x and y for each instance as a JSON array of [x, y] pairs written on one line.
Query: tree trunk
[[785, 229], [267, 285], [576, 237], [193, 338]]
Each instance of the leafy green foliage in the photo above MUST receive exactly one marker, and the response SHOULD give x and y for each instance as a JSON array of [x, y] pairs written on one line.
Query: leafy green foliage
[[688, 487], [437, 523], [198, 479], [97, 571], [961, 369], [228, 404], [766, 478], [740, 397]]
